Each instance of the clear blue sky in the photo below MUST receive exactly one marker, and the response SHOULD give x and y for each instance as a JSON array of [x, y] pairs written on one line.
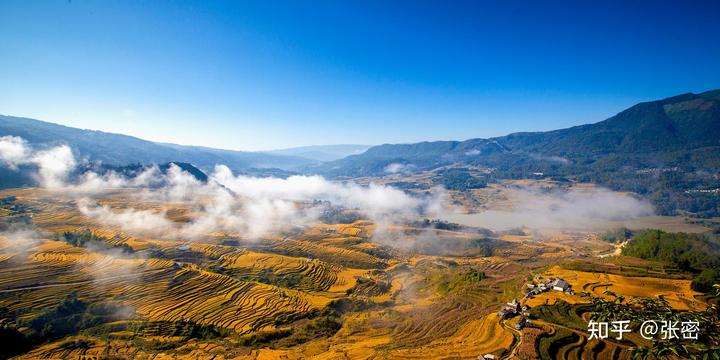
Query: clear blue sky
[[269, 74]]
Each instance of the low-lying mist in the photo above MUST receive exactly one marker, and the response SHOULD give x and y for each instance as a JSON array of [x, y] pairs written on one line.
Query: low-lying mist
[[257, 207], [574, 208], [249, 207]]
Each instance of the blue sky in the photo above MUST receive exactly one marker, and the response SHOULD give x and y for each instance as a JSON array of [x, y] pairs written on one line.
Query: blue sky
[[258, 75]]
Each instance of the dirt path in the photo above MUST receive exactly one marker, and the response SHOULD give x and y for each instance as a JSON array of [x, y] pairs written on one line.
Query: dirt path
[[516, 344]]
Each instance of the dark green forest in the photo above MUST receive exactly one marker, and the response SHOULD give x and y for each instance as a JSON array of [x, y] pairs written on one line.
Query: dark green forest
[[699, 254]]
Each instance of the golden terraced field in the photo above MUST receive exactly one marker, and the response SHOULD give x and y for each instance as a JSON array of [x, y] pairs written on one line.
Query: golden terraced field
[[222, 297]]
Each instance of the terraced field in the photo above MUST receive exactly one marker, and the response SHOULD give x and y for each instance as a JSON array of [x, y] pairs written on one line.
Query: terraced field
[[157, 289], [676, 291], [316, 275], [327, 291], [484, 336], [566, 315], [343, 256]]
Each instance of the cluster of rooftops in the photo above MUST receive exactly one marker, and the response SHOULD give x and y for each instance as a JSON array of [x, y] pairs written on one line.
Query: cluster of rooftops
[[511, 309], [557, 284], [536, 287]]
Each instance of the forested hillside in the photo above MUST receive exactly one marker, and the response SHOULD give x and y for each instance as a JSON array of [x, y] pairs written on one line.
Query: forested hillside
[[667, 150]]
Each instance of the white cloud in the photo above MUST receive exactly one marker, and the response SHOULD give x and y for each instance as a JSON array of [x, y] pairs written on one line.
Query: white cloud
[[13, 151], [53, 165], [249, 206], [550, 158], [574, 208], [395, 168], [134, 221], [18, 240], [252, 207]]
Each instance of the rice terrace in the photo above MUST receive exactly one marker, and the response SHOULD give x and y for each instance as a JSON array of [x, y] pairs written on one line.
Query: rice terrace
[[78, 284], [359, 180]]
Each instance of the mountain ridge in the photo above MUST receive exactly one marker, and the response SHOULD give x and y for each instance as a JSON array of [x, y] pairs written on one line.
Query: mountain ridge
[[322, 152], [120, 149], [647, 127], [676, 140], [666, 150]]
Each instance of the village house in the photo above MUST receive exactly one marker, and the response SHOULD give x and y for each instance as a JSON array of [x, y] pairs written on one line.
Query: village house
[[560, 285], [557, 284], [509, 310]]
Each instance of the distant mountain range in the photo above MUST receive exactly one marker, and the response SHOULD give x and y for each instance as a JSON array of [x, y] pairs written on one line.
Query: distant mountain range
[[667, 150], [117, 149], [681, 131], [322, 152]]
